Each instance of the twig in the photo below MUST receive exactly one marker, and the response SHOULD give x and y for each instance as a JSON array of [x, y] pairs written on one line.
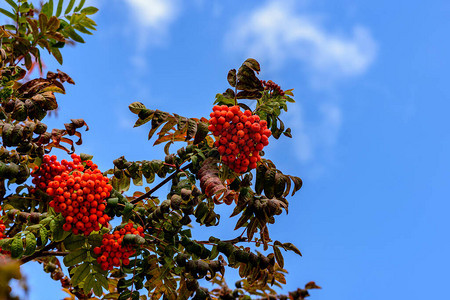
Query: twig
[[40, 253], [44, 254], [146, 195]]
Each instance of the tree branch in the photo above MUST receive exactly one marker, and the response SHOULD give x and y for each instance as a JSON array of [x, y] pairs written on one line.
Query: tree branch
[[162, 183], [43, 252]]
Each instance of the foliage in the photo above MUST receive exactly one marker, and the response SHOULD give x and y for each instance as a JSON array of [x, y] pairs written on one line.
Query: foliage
[[64, 211]]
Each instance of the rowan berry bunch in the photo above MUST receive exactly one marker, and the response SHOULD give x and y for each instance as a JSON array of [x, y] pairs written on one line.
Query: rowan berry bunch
[[273, 87], [113, 252], [240, 136], [2, 235], [79, 192]]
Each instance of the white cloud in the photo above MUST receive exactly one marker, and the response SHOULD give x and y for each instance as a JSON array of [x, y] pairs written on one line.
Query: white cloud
[[275, 33], [151, 21], [155, 15], [284, 34]]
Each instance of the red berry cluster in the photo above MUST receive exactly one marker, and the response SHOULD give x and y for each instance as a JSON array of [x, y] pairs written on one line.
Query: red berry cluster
[[2, 235], [272, 86], [79, 192], [241, 135], [112, 251]]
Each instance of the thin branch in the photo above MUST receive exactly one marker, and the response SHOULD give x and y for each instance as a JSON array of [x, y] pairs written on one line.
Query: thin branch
[[162, 183], [40, 253]]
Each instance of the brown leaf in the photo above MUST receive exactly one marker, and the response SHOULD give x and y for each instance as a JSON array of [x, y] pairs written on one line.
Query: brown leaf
[[312, 285], [208, 175], [191, 129], [231, 77], [169, 125], [253, 64], [61, 76], [176, 137], [202, 132], [159, 117], [249, 95], [297, 184], [79, 123], [278, 256]]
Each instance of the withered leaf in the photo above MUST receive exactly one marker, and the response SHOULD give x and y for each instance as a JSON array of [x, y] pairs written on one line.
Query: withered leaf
[[202, 132], [312, 285], [159, 117], [136, 107], [208, 175], [249, 95], [278, 256], [229, 93], [253, 64], [231, 77], [191, 129]]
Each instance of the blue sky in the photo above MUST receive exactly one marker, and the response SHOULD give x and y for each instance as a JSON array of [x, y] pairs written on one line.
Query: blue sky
[[371, 138]]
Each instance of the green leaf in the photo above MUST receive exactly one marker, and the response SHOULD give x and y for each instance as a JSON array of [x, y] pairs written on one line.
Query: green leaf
[[46, 221], [278, 256], [95, 240], [82, 29], [123, 184], [17, 248], [292, 247], [58, 233], [57, 54], [30, 246], [8, 14], [89, 10], [43, 232], [6, 241], [24, 8], [80, 274], [75, 257], [85, 156], [69, 7], [47, 9], [102, 280], [127, 211], [43, 20], [50, 4], [73, 35], [80, 6], [88, 283], [59, 8], [214, 252], [74, 242], [13, 4], [10, 27], [98, 291]]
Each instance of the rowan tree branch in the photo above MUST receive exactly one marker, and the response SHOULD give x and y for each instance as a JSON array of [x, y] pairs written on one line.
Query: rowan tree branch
[[162, 183], [41, 253]]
